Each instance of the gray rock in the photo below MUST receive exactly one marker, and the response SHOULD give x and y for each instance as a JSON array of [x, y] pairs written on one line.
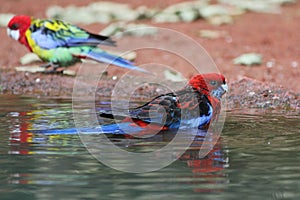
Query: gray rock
[[220, 20], [145, 13], [116, 11], [173, 76], [212, 34], [29, 58], [113, 29], [166, 17], [249, 59], [122, 28], [99, 12], [189, 15], [213, 10], [266, 6], [4, 19], [186, 11], [218, 14]]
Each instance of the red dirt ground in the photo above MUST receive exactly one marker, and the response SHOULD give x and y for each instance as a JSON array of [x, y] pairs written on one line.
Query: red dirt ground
[[275, 36]]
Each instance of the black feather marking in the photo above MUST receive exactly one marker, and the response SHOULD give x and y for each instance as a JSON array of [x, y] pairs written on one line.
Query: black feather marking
[[103, 40], [14, 26]]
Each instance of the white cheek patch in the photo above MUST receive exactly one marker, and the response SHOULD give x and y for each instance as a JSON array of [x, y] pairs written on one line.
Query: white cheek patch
[[15, 34]]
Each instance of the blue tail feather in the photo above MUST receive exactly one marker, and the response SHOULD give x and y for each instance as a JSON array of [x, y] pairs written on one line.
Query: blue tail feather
[[102, 56], [121, 128]]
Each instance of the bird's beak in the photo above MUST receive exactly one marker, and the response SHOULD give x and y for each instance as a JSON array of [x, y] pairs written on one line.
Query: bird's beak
[[15, 34], [224, 87]]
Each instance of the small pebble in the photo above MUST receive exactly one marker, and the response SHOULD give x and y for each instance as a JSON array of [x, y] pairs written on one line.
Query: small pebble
[[212, 34], [158, 90], [294, 64], [270, 64], [228, 39], [251, 93]]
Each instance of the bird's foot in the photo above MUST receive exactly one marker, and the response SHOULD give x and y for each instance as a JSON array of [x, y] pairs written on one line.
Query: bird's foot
[[53, 71], [51, 68], [47, 65]]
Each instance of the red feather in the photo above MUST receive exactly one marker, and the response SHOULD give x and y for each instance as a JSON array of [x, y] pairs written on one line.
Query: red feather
[[22, 23]]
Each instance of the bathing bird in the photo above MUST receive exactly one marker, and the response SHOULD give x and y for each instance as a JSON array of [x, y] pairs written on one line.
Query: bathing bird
[[193, 106], [196, 105]]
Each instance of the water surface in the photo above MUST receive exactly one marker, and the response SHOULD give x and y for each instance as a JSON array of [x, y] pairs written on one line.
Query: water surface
[[257, 157]]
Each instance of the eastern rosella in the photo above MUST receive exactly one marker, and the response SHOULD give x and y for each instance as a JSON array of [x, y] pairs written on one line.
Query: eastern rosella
[[62, 44]]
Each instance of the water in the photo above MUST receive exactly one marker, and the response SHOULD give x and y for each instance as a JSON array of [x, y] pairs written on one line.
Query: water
[[257, 157]]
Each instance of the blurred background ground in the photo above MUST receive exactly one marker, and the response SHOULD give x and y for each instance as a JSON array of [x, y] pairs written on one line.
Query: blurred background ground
[[273, 35]]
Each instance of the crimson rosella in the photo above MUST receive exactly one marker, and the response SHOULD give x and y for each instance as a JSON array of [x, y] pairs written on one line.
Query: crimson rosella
[[62, 44], [194, 106]]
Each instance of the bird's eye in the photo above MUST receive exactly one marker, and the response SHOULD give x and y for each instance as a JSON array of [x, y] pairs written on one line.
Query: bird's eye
[[213, 83], [14, 26]]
